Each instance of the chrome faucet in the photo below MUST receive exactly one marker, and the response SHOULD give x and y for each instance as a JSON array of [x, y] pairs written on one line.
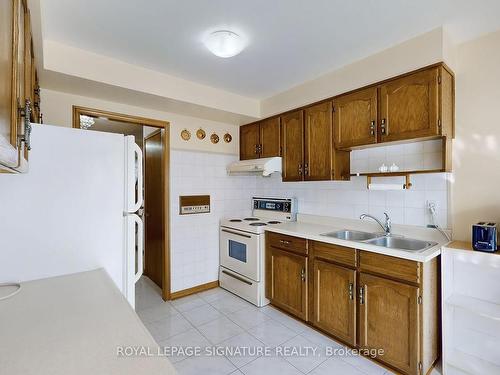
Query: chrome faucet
[[386, 227]]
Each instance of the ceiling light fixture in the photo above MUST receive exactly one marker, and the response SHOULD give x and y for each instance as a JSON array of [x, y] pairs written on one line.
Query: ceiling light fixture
[[225, 43]]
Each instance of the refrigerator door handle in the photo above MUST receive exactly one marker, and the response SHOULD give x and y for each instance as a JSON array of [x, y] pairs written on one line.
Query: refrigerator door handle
[[137, 167], [140, 247]]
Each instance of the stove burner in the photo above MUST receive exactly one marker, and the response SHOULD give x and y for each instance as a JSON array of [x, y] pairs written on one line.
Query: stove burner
[[235, 220], [274, 222], [251, 219], [258, 224]]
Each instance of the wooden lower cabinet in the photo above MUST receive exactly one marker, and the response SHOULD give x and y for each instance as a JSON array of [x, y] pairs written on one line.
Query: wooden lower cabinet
[[287, 278], [389, 320], [335, 300], [366, 300]]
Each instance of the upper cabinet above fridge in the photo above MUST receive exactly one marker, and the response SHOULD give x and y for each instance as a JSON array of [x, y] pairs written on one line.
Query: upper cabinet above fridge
[[19, 91]]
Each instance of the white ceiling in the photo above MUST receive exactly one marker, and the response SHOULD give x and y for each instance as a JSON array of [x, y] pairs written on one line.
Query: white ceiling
[[290, 41]]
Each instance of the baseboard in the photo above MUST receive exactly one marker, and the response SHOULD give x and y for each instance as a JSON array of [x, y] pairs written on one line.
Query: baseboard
[[194, 289]]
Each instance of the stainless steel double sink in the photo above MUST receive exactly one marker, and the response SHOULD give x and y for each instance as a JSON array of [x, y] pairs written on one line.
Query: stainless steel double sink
[[379, 239]]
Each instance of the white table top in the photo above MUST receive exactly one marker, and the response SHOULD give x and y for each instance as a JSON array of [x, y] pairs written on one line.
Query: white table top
[[73, 325]]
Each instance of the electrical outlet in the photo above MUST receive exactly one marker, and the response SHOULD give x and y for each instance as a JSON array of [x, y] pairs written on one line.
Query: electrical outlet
[[431, 205]]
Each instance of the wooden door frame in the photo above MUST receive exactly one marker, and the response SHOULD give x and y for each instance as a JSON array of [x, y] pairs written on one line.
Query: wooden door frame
[[165, 125]]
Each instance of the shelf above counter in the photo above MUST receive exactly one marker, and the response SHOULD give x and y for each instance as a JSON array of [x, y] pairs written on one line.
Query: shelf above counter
[[406, 174], [474, 305]]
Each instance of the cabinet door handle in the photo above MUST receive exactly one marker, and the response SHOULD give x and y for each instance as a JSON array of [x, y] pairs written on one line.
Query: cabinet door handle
[[285, 242], [300, 169], [351, 291], [303, 274], [26, 113], [256, 149], [362, 295], [383, 126], [306, 169], [372, 128]]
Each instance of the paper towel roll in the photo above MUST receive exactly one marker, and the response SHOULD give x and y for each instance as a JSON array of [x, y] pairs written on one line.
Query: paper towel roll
[[386, 186]]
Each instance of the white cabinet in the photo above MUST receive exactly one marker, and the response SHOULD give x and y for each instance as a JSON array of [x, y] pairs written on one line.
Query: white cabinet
[[471, 310]]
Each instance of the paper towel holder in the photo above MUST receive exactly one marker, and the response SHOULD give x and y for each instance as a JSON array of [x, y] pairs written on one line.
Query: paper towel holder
[[406, 185], [405, 174]]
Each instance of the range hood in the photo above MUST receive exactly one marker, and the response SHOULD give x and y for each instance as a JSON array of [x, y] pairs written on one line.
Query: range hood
[[263, 166]]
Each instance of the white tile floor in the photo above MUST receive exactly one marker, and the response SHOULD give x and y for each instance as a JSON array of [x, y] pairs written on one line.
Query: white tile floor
[[217, 318]]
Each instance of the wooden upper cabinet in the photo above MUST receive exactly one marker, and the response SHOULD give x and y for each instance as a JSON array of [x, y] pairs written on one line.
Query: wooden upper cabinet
[[249, 141], [292, 127], [335, 300], [409, 107], [7, 128], [355, 119], [389, 320], [270, 144], [15, 71], [318, 142], [261, 139], [288, 281]]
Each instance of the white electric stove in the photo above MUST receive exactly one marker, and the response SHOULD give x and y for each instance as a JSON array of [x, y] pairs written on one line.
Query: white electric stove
[[242, 257]]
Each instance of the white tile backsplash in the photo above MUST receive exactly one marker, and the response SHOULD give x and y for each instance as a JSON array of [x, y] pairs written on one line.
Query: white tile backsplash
[[408, 156], [195, 238], [194, 242]]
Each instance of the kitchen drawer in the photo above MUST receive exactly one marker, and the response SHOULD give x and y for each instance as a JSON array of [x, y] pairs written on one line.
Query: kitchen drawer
[[385, 265], [284, 242], [334, 253]]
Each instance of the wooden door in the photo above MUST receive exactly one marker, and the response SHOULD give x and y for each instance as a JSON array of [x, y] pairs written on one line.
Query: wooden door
[[270, 144], [409, 107], [154, 235], [249, 141], [292, 127], [318, 142], [335, 300], [288, 281], [355, 119], [388, 320]]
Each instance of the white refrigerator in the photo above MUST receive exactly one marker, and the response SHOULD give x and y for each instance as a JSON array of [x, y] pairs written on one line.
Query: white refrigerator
[[75, 210]]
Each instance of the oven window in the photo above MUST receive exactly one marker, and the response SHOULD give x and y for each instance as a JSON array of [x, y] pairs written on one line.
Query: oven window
[[238, 250]]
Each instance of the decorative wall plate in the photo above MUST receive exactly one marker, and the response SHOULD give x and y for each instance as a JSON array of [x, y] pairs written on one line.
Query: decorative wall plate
[[214, 138], [200, 133], [186, 135], [228, 138]]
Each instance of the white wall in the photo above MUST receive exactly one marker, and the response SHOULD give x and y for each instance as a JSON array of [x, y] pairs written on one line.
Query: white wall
[[75, 62], [415, 53], [476, 149], [195, 238], [57, 109]]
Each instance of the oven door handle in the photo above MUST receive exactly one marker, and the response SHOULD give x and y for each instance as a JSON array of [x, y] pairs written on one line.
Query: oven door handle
[[236, 277], [236, 233]]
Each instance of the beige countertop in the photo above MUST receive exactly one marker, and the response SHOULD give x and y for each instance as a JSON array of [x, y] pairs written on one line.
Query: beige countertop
[[313, 231], [73, 325]]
